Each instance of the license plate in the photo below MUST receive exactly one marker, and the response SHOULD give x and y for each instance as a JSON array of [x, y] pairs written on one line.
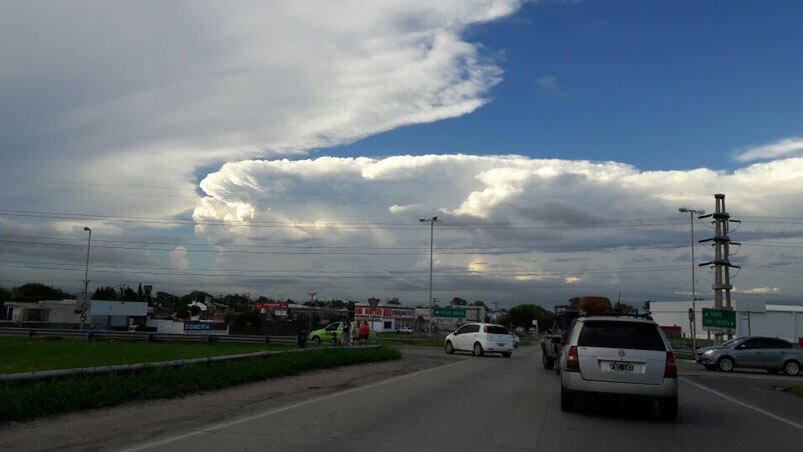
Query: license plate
[[621, 366], [502, 344]]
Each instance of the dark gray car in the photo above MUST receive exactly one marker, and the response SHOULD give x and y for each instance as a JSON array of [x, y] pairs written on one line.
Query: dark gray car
[[770, 353]]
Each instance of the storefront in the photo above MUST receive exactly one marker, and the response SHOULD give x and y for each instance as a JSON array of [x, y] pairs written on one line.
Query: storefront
[[386, 318]]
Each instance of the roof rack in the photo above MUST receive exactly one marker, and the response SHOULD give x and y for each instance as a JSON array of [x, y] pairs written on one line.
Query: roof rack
[[635, 315]]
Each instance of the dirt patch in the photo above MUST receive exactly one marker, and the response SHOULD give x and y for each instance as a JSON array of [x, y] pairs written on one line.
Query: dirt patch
[[128, 424]]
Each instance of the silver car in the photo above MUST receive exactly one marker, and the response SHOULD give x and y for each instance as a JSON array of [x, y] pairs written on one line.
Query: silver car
[[770, 353], [615, 357]]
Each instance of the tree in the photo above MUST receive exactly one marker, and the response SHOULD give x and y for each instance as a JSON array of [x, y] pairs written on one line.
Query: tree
[[128, 294], [524, 314], [105, 293], [37, 291], [5, 295], [140, 293], [457, 301], [624, 308], [479, 303], [394, 300]]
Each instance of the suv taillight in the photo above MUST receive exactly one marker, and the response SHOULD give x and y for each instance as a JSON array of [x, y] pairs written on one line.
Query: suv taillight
[[572, 360], [485, 329], [671, 369]]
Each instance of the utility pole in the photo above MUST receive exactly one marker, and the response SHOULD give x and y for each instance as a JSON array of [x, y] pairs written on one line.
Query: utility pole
[[431, 222], [85, 304], [722, 286], [692, 213], [312, 309]]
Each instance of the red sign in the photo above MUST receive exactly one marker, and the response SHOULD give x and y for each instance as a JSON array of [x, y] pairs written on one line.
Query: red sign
[[385, 312], [267, 307]]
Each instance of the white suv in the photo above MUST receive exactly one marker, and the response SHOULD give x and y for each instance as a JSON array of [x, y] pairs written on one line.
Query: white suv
[[619, 356], [480, 338]]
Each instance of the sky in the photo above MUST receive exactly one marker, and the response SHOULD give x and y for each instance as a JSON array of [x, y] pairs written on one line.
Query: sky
[[292, 147]]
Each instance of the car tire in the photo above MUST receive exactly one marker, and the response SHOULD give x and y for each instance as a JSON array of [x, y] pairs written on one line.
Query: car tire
[[725, 364], [568, 401], [710, 367], [791, 368], [478, 351], [317, 340], [668, 408], [507, 354], [449, 347], [548, 361]]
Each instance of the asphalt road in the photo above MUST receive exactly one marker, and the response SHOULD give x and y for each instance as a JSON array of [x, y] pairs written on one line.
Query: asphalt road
[[492, 403]]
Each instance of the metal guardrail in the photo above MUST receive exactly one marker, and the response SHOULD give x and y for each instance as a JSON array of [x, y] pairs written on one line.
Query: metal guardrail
[[144, 336]]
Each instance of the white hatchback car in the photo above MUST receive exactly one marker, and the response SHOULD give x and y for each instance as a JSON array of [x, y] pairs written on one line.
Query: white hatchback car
[[480, 338], [619, 356]]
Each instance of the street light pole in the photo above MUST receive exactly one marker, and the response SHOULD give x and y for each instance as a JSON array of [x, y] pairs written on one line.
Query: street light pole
[[691, 213], [84, 305], [312, 309], [431, 222]]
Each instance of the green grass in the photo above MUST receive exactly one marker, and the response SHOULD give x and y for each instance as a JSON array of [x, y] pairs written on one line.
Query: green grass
[[796, 390], [23, 355], [25, 401]]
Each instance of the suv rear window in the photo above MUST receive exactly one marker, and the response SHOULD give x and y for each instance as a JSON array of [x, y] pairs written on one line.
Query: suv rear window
[[613, 334], [495, 329]]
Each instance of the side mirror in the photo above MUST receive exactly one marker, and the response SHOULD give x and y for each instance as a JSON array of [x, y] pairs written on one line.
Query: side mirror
[[740, 347]]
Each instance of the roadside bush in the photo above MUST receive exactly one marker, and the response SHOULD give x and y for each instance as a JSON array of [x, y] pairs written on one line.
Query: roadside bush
[[25, 401]]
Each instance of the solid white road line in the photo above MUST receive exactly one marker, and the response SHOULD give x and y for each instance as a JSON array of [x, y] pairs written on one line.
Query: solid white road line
[[252, 417], [746, 405]]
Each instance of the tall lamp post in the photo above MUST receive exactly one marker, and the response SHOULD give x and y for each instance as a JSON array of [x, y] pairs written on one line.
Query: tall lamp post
[[85, 305], [431, 222], [692, 213], [312, 309]]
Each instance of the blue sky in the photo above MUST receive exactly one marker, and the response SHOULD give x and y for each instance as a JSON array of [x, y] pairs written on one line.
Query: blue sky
[[661, 85]]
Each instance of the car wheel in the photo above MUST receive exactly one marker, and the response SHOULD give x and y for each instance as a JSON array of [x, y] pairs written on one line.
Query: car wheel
[[548, 361], [478, 349], [449, 347], [507, 354], [317, 340], [791, 368], [567, 400], [725, 364], [668, 408], [710, 367]]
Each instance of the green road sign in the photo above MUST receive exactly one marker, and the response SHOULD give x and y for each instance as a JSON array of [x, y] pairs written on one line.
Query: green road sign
[[719, 319], [455, 313]]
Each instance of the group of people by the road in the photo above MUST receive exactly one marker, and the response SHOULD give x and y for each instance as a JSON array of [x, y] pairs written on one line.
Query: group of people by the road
[[352, 334], [356, 334]]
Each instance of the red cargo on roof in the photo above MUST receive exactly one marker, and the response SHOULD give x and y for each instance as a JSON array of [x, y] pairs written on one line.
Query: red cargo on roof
[[593, 305]]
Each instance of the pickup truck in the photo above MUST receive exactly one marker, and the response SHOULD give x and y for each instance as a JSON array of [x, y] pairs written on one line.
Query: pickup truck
[[554, 336]]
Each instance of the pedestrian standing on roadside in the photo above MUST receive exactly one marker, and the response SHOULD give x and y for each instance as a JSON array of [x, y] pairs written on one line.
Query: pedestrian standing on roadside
[[347, 333], [301, 339], [364, 332]]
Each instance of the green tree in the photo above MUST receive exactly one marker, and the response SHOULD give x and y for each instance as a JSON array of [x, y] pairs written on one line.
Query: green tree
[[393, 300], [37, 292], [105, 293], [5, 295], [457, 301], [479, 303], [524, 314]]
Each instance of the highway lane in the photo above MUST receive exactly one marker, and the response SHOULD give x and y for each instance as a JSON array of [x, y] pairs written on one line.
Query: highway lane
[[485, 404]]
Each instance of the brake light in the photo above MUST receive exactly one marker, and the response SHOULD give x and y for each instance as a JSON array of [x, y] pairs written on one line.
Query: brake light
[[671, 369], [573, 360], [485, 329]]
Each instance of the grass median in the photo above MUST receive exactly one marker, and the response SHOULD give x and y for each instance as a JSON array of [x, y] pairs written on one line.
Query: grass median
[[24, 355], [26, 401], [796, 390]]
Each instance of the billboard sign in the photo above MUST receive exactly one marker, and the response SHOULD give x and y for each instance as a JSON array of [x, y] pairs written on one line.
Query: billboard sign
[[450, 312], [719, 319]]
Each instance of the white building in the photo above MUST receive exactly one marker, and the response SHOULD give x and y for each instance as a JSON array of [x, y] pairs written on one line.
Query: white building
[[116, 315], [756, 318], [45, 311]]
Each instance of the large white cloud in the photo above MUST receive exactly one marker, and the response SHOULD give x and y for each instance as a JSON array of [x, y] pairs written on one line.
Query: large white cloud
[[511, 225], [143, 94]]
